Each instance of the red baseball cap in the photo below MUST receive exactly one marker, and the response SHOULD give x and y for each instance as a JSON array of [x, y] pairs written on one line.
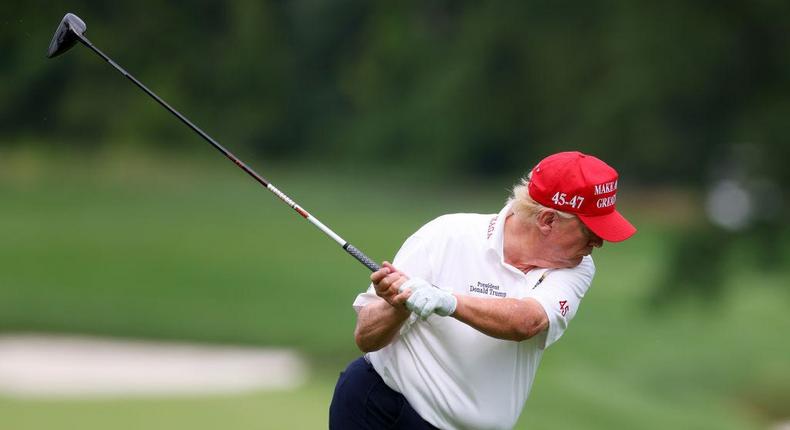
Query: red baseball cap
[[582, 185]]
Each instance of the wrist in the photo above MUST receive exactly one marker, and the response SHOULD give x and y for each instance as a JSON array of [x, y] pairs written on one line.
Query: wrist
[[449, 303], [456, 304], [400, 309]]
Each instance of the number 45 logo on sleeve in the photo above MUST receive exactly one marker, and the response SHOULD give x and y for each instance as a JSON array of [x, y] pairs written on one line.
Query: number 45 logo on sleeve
[[564, 308]]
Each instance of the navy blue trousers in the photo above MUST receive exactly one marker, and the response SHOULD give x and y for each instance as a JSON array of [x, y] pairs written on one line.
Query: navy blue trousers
[[363, 401]]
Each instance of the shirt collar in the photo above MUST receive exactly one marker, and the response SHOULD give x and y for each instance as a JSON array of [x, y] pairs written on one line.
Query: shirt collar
[[495, 233], [496, 239]]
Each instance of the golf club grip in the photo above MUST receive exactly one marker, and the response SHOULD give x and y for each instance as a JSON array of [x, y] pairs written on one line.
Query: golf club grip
[[361, 257]]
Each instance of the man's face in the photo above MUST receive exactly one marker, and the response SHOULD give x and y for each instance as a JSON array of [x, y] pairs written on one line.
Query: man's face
[[570, 241]]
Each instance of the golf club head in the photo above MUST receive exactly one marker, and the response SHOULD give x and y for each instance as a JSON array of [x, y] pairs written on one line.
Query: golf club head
[[67, 34]]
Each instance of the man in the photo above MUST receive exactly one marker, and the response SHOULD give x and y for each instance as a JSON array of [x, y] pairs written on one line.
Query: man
[[454, 330]]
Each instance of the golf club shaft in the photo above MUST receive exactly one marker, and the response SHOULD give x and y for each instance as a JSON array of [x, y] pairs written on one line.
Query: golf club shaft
[[349, 248]]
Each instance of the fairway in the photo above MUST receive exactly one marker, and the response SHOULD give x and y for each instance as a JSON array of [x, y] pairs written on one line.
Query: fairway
[[136, 246]]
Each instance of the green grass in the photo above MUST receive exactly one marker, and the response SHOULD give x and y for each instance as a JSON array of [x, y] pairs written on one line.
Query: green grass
[[305, 408], [131, 245]]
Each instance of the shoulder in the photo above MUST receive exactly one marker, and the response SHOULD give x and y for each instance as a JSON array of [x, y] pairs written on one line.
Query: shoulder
[[587, 266], [456, 224], [582, 274]]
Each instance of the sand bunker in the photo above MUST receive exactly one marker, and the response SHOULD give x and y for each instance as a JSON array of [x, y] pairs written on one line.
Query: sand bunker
[[87, 367]]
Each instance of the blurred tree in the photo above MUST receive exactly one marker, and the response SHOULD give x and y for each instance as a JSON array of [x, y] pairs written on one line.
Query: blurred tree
[[461, 87]]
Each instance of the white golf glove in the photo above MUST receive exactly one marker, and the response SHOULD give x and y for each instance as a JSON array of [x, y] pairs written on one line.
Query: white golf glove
[[426, 299]]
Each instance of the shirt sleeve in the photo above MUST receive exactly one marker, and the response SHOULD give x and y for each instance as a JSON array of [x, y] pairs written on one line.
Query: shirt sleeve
[[560, 294], [412, 259]]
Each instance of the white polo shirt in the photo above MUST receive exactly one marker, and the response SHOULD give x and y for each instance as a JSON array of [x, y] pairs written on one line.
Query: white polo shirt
[[454, 376]]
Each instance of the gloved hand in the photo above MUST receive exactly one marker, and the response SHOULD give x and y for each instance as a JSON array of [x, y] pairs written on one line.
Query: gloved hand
[[426, 299]]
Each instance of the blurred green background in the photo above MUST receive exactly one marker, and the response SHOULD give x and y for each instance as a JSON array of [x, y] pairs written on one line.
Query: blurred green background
[[116, 220]]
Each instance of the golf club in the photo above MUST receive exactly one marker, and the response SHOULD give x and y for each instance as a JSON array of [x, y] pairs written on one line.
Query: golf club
[[72, 30]]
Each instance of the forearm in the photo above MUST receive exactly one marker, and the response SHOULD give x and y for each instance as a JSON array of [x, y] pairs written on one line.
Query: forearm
[[377, 325], [509, 319]]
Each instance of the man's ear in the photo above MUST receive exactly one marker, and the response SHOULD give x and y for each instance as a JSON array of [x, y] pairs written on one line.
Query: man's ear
[[546, 220]]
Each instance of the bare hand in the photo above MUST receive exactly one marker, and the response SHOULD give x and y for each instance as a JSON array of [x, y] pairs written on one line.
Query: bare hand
[[387, 281]]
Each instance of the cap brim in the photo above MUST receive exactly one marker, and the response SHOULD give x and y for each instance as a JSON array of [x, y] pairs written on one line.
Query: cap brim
[[611, 227]]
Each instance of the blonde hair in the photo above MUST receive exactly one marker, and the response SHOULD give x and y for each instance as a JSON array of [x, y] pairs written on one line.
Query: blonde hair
[[525, 207]]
